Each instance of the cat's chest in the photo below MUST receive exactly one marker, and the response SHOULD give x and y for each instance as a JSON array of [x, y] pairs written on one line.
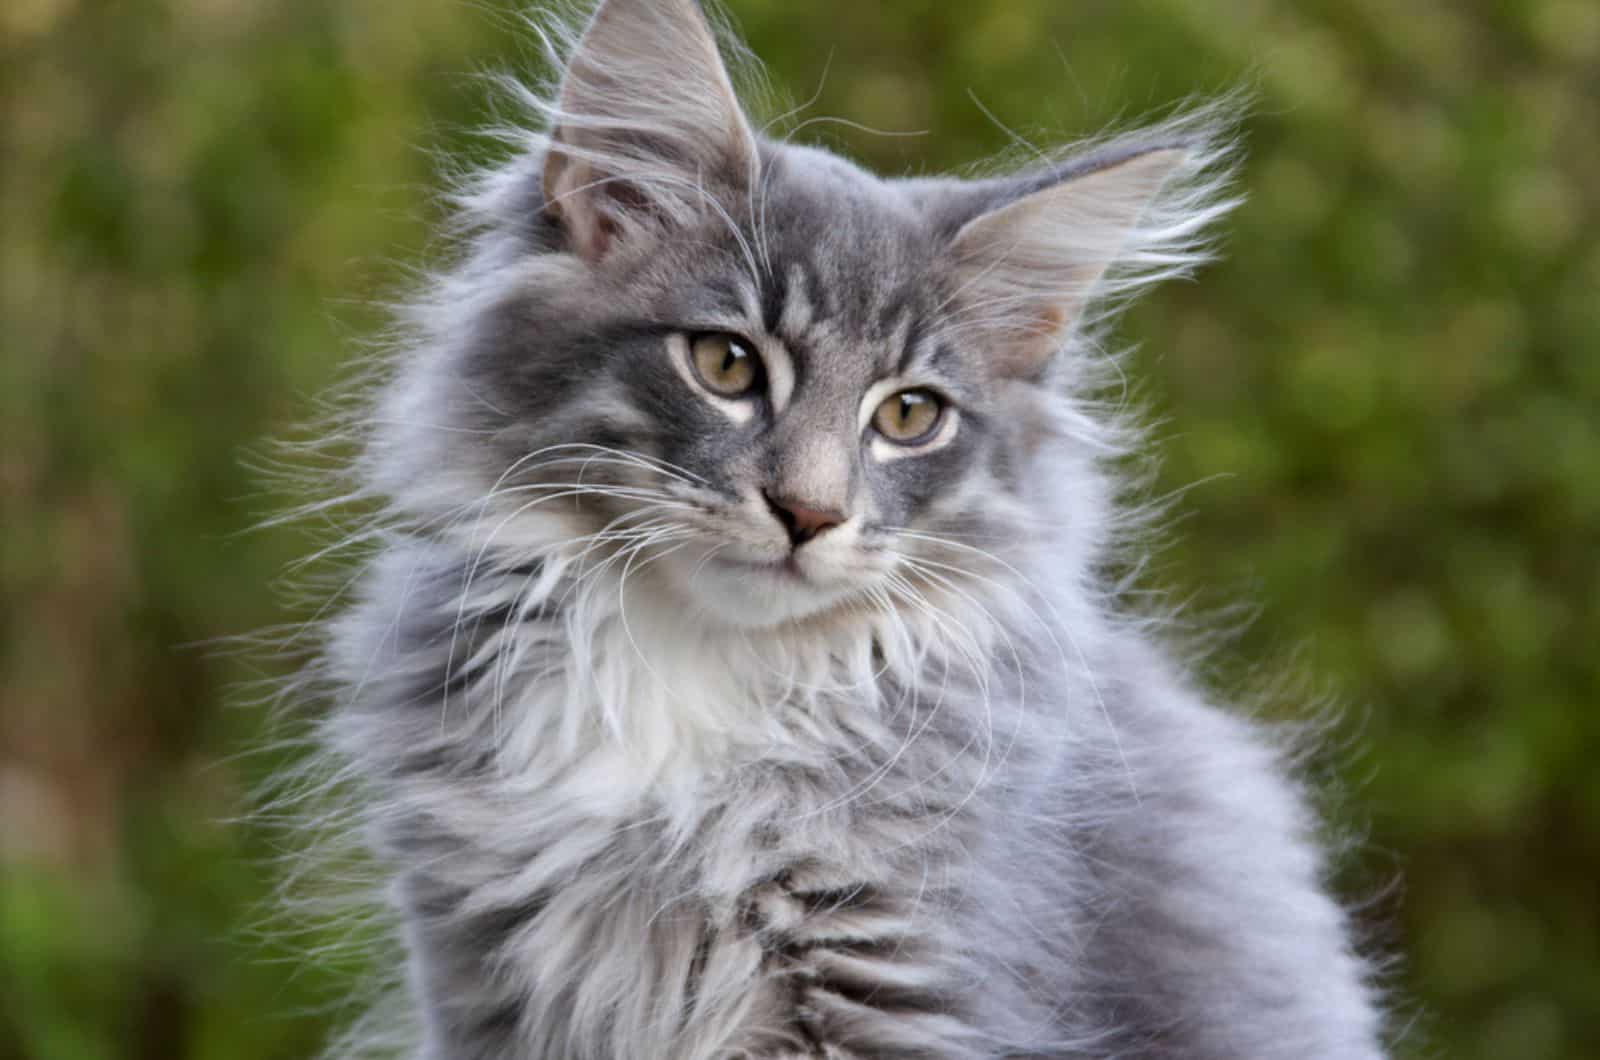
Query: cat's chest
[[662, 801], [724, 897], [629, 766], [679, 748], [637, 830]]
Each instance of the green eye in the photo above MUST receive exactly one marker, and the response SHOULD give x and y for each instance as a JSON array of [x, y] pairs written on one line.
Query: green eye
[[726, 366], [909, 417]]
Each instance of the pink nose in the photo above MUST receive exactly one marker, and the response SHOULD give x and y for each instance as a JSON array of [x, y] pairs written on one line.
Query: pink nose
[[802, 521]]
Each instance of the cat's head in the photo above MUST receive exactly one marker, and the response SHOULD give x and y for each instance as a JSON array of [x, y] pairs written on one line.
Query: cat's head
[[751, 370]]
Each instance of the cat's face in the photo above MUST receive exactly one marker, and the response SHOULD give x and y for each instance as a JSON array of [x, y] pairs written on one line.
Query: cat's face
[[799, 417], [751, 371]]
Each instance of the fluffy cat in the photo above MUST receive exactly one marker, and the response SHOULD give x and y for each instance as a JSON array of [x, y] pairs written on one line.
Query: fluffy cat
[[740, 675]]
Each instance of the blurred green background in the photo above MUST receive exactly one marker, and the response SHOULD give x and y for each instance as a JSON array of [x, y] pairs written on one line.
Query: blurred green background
[[1389, 394]]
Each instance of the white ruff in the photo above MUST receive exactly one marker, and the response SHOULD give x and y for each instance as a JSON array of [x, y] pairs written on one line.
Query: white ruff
[[647, 691]]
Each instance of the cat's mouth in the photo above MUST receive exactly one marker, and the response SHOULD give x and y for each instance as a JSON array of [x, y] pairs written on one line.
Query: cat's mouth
[[754, 587], [785, 569]]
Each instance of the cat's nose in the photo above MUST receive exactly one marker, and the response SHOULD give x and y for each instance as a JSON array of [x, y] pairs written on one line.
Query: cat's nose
[[801, 520]]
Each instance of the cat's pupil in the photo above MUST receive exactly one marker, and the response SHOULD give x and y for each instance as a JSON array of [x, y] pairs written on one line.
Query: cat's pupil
[[725, 365]]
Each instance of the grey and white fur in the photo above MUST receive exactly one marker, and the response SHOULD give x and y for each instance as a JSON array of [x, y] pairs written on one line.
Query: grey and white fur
[[701, 709]]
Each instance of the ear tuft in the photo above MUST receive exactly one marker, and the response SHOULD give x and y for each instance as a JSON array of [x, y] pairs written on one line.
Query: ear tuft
[[647, 127], [1097, 226]]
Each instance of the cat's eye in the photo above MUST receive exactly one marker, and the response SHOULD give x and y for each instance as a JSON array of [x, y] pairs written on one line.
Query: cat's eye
[[909, 417], [725, 364]]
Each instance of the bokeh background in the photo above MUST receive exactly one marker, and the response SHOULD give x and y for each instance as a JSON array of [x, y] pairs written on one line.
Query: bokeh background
[[1384, 406]]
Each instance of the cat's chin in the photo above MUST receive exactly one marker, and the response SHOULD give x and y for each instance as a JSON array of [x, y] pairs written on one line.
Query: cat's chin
[[754, 595]]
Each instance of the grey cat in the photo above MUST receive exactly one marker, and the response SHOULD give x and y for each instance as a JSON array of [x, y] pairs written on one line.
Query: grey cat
[[740, 674]]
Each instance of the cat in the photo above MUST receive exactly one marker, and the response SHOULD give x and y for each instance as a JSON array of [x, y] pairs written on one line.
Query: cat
[[741, 672]]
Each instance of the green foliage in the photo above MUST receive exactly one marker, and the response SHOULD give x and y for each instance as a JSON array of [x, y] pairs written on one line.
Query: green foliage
[[1388, 395]]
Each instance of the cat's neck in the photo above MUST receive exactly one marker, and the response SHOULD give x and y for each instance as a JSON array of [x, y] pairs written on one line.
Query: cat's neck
[[629, 671]]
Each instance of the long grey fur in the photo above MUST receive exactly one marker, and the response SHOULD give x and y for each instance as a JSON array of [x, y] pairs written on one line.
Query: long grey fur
[[648, 778]]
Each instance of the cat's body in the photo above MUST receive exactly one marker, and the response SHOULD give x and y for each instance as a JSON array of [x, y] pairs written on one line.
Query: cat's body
[[704, 708]]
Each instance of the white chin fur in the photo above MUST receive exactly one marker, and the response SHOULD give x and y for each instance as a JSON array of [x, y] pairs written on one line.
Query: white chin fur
[[751, 596]]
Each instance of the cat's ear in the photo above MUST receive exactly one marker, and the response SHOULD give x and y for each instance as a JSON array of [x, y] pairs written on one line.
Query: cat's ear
[[1029, 266], [647, 127]]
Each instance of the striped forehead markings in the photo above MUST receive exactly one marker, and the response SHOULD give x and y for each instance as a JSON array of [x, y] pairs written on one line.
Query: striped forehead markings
[[807, 317], [793, 316], [797, 312]]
